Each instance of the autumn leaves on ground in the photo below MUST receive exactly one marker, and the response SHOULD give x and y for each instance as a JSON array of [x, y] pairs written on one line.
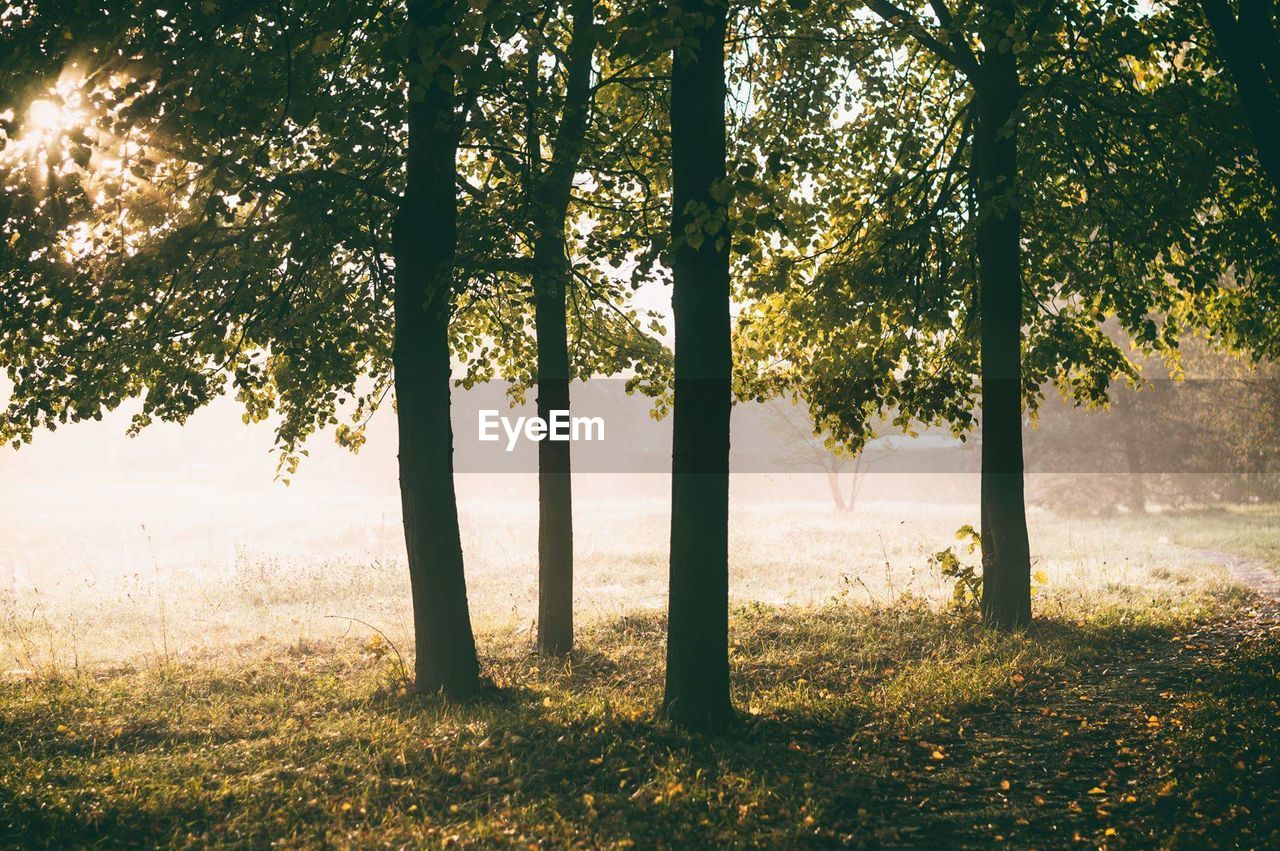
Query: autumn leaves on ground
[[1140, 710]]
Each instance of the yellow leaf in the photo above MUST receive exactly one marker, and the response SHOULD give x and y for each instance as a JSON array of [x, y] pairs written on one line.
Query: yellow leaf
[[1004, 785], [1097, 790]]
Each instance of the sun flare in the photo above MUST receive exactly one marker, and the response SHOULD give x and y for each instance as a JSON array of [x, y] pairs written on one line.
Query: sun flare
[[46, 116], [49, 118], [49, 123]]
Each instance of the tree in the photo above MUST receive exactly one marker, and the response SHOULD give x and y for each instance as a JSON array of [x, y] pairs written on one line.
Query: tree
[[425, 242], [796, 444], [697, 680], [220, 215], [1235, 263], [1198, 433], [895, 281], [560, 128], [259, 219], [551, 274], [995, 184], [1006, 552], [992, 77]]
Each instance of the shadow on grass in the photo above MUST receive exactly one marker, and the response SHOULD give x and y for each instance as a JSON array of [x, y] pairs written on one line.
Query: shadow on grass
[[863, 728]]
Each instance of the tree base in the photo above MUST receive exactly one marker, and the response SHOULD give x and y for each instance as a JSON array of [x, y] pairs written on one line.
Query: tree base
[[454, 690], [555, 647], [1007, 622], [707, 720]]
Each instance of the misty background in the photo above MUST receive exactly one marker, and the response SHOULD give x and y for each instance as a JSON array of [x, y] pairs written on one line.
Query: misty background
[[185, 539]]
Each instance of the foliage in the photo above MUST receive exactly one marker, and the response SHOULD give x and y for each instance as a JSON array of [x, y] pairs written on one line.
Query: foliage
[[864, 301], [616, 221], [232, 225], [215, 216], [967, 577], [230, 220]]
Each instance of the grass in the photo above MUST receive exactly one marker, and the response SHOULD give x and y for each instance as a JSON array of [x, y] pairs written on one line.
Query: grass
[[1141, 710], [172, 601], [861, 726]]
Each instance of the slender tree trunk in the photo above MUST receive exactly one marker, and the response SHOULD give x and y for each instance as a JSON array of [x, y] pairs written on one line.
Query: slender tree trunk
[[1006, 558], [1251, 51], [1135, 481], [855, 480], [555, 491], [551, 278], [697, 682], [1137, 484], [425, 239], [833, 485]]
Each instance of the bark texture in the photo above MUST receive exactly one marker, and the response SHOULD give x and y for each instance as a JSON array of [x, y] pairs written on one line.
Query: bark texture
[[425, 241], [1006, 557], [697, 679]]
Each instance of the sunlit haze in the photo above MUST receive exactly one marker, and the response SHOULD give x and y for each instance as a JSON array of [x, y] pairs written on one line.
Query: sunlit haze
[[604, 424]]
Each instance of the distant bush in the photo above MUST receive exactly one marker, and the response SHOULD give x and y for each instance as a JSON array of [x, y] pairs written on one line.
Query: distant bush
[[1211, 438]]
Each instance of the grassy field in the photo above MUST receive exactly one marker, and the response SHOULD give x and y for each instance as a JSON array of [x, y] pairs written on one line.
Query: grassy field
[[1141, 710], [114, 594]]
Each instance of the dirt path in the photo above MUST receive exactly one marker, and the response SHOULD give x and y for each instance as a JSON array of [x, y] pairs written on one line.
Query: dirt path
[[1250, 573], [1106, 755]]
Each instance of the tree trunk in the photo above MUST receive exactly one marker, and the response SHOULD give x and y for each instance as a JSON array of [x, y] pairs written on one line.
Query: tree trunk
[[555, 491], [1251, 51], [1006, 559], [551, 277], [833, 485], [855, 481], [425, 239], [1135, 481], [697, 682]]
